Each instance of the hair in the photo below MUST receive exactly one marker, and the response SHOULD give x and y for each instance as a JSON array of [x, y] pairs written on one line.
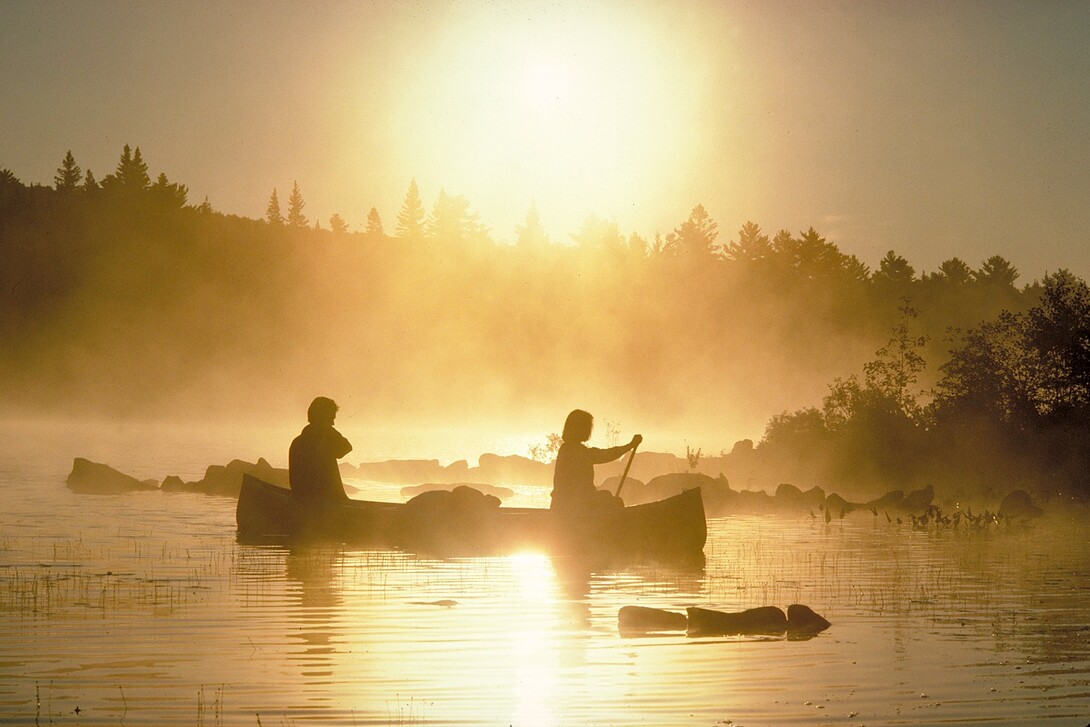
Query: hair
[[321, 409], [577, 426]]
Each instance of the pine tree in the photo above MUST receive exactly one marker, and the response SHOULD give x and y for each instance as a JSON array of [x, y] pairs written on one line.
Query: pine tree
[[531, 234], [272, 211], [295, 207], [131, 174], [410, 221], [374, 224], [89, 183], [337, 224], [170, 193], [696, 236], [68, 174]]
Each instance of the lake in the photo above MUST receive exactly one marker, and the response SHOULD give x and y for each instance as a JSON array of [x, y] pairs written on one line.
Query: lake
[[143, 609]]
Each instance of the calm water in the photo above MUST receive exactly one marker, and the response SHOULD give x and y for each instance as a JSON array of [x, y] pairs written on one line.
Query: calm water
[[142, 608]]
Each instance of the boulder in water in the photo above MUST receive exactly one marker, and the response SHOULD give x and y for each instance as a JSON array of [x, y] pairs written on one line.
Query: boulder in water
[[641, 619], [100, 479], [802, 621], [766, 620], [1019, 504]]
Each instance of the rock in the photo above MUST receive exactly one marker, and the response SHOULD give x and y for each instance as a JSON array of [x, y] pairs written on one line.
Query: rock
[[787, 495], [675, 483], [99, 479], [889, 501], [226, 479], [1019, 504], [802, 620], [754, 621], [500, 492], [641, 619], [918, 500], [838, 507], [459, 501], [173, 483], [634, 492], [512, 469]]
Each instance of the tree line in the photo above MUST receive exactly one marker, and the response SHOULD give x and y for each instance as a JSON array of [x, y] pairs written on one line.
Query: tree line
[[120, 295]]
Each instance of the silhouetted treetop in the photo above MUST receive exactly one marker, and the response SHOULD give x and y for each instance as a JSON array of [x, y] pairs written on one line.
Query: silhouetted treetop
[[411, 218], [131, 175], [599, 234], [296, 218], [337, 224], [272, 210], [374, 224], [752, 245], [695, 236], [531, 233], [68, 174], [996, 271]]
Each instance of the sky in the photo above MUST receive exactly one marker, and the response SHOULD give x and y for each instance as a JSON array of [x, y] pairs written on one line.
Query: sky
[[933, 129]]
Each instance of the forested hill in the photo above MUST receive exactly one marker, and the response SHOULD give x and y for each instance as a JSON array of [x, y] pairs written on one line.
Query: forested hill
[[120, 297]]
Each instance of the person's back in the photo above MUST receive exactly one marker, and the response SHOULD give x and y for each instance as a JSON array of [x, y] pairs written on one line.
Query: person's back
[[312, 457], [574, 494]]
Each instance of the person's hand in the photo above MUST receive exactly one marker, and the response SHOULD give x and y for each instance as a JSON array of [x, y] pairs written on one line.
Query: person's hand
[[636, 441]]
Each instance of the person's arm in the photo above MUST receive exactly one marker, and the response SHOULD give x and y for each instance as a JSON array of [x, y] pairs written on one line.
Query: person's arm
[[599, 456], [341, 446]]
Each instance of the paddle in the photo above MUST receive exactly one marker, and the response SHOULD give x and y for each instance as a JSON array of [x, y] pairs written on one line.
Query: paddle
[[624, 474]]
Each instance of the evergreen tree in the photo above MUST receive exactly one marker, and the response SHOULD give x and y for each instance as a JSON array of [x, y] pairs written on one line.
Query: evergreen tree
[[68, 175], [410, 220], [597, 233], [337, 224], [374, 224], [531, 234], [295, 207], [272, 210], [894, 270], [752, 245], [89, 183], [131, 174], [695, 236], [955, 271], [452, 222], [170, 193], [997, 272]]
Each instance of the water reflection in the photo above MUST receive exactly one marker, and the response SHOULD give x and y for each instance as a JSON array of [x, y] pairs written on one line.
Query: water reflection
[[315, 607]]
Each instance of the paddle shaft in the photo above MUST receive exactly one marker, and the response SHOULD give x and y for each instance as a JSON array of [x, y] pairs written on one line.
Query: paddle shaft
[[624, 475]]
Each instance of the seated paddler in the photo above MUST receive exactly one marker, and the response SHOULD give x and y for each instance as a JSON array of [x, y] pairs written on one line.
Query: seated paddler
[[574, 494], [313, 473]]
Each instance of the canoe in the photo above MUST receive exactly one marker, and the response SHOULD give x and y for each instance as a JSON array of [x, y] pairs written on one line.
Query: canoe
[[672, 527]]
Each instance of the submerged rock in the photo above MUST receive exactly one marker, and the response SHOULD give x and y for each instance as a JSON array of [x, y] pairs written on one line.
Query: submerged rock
[[799, 622], [641, 619], [802, 620], [100, 479], [766, 620]]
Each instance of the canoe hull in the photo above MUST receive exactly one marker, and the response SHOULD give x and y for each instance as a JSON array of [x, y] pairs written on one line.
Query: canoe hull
[[674, 526]]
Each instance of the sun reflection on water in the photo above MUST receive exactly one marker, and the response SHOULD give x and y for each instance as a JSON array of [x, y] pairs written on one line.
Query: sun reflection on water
[[533, 653]]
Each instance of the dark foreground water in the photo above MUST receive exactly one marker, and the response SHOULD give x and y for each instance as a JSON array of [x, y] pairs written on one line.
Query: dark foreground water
[[142, 609]]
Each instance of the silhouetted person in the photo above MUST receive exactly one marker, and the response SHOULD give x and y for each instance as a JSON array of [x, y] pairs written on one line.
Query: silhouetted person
[[312, 458], [574, 494]]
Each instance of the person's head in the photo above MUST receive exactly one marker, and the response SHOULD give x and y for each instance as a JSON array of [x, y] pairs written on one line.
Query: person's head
[[322, 411], [578, 426]]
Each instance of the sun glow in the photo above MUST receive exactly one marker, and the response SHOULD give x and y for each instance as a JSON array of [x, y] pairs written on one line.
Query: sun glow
[[584, 114]]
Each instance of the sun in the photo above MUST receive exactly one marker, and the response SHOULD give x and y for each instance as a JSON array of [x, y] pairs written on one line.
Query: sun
[[583, 112]]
